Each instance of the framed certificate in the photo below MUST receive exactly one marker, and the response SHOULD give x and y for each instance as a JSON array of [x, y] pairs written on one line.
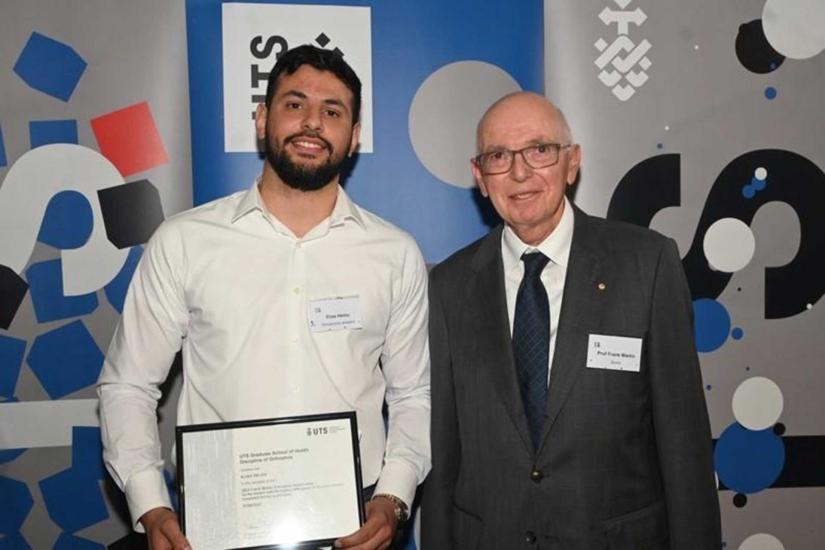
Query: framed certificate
[[278, 483]]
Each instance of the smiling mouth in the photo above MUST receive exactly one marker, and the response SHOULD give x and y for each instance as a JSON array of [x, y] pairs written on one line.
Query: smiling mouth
[[309, 145], [524, 196]]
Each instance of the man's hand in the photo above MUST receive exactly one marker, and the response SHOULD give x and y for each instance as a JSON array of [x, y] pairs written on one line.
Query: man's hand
[[163, 530], [378, 531]]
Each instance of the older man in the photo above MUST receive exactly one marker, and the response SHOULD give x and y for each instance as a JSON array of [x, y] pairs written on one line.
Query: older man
[[231, 283], [567, 402]]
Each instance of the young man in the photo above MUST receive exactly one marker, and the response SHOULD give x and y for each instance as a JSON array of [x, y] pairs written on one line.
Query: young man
[[230, 283]]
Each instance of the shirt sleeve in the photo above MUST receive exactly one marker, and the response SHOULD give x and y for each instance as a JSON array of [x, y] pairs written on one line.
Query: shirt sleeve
[[140, 354], [406, 366]]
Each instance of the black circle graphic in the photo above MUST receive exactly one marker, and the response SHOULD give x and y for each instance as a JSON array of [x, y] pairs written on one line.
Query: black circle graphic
[[754, 51]]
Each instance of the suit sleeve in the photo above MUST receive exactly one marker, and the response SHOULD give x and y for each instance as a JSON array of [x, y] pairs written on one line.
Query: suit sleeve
[[437, 506], [680, 417]]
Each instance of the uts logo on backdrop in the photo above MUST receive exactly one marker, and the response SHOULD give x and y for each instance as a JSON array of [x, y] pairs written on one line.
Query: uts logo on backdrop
[[256, 35], [612, 67]]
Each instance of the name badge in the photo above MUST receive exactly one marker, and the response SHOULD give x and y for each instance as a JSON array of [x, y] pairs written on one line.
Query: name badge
[[339, 313], [614, 352]]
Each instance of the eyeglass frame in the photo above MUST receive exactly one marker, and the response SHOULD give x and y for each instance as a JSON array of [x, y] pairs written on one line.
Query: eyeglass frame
[[558, 146]]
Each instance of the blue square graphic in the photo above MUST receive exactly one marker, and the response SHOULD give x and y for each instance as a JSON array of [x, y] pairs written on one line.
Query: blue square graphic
[[46, 288], [44, 132], [87, 452], [74, 501], [65, 359], [50, 66], [11, 357]]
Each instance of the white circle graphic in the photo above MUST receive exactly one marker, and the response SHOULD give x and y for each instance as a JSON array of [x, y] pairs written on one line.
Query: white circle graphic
[[444, 114], [729, 245], [761, 541], [757, 403], [795, 28], [760, 173]]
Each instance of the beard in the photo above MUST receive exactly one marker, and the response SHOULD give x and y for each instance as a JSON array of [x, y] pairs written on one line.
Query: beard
[[302, 178]]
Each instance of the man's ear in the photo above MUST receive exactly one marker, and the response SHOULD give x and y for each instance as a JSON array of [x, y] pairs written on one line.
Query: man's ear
[[482, 187], [355, 139], [261, 114], [573, 164]]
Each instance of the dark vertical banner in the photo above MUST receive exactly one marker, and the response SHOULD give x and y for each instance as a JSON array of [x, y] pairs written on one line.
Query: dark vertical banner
[[704, 120], [94, 153], [429, 68]]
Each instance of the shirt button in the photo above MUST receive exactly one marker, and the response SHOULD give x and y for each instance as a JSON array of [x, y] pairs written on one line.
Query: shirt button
[[530, 537], [296, 290], [537, 476]]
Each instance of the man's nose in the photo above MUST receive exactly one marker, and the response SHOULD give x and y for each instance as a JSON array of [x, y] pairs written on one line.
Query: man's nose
[[520, 170], [312, 118]]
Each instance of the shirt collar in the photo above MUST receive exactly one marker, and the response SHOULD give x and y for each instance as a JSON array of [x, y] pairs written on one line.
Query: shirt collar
[[250, 202], [555, 246], [344, 208]]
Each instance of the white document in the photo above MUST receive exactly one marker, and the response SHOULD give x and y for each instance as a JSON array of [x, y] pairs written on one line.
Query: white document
[[270, 484], [339, 313], [614, 352]]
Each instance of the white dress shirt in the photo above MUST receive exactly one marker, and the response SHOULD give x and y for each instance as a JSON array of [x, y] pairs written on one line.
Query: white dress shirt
[[556, 247], [231, 285]]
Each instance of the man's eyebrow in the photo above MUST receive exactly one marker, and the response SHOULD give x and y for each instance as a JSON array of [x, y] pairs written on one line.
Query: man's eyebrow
[[336, 102], [301, 95], [494, 149], [294, 93]]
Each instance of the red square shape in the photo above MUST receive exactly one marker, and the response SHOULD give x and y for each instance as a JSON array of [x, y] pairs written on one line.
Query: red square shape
[[130, 139]]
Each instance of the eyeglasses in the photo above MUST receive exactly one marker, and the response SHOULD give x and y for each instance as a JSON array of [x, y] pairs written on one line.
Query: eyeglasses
[[541, 155]]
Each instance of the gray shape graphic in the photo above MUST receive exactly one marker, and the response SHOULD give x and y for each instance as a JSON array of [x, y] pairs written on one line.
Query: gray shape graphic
[[444, 114]]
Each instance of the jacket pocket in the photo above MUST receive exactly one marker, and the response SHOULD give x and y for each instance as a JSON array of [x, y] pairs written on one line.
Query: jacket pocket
[[466, 529], [643, 529]]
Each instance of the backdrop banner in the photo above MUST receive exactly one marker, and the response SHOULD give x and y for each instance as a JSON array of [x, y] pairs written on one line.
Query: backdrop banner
[[94, 153], [704, 121]]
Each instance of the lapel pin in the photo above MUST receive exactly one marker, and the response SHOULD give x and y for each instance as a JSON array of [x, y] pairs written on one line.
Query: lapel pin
[[601, 286]]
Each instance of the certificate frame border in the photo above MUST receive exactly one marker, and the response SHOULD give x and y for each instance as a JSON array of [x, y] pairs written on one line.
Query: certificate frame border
[[257, 423]]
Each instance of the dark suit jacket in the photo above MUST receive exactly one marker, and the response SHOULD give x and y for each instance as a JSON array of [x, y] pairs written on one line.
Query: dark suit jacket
[[626, 457]]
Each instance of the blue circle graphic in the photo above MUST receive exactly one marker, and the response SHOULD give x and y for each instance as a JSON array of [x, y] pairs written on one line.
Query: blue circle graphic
[[770, 92], [737, 333], [758, 184], [748, 461], [711, 323], [748, 191]]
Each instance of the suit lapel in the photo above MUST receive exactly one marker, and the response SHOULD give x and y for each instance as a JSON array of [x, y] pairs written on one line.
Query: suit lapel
[[580, 303], [492, 330]]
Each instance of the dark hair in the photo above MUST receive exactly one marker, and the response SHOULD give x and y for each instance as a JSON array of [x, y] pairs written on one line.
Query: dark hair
[[323, 60]]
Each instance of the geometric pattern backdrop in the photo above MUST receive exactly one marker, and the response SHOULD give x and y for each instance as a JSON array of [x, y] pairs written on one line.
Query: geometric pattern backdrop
[[702, 120]]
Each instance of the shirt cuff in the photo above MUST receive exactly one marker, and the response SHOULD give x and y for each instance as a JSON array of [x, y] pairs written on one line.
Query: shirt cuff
[[146, 490], [398, 479]]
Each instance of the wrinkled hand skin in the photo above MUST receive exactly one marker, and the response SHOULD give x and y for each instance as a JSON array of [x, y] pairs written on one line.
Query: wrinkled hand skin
[[163, 530], [377, 532]]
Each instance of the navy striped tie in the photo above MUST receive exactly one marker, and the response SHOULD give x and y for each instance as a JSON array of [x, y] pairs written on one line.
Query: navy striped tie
[[531, 342]]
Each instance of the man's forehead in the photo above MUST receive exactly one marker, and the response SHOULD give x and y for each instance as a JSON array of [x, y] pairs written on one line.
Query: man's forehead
[[516, 133], [308, 79], [519, 119]]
